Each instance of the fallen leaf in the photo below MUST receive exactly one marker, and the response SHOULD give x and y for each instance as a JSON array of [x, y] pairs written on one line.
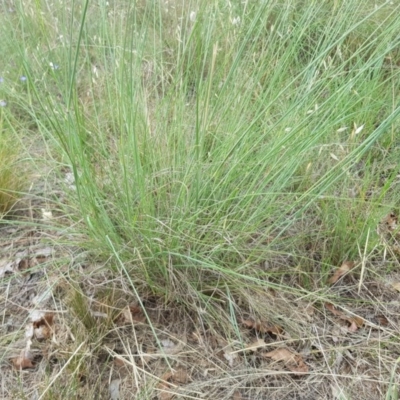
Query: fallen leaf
[[163, 386], [256, 344], [237, 395], [353, 327], [132, 314], [282, 354], [293, 361], [180, 376], [42, 323], [24, 360], [382, 320], [342, 270], [42, 332], [164, 395], [262, 327], [24, 264], [396, 286], [354, 322], [390, 222]]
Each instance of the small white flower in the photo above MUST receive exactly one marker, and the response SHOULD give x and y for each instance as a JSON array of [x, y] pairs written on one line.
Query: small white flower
[[3, 103], [46, 215], [192, 16], [236, 21], [54, 66]]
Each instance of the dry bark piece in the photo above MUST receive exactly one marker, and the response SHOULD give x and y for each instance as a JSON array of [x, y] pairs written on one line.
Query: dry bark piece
[[262, 327], [342, 270], [293, 361]]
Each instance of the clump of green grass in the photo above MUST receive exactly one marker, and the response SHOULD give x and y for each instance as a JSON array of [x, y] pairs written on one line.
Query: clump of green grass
[[187, 143]]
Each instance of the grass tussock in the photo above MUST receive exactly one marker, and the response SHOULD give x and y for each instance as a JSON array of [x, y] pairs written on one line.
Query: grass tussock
[[221, 160]]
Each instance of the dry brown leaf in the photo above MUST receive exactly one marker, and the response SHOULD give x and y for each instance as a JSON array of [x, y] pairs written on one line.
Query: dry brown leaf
[[333, 309], [24, 360], [353, 327], [180, 376], [342, 270], [382, 320], [390, 222], [119, 362], [282, 354], [355, 322], [132, 314], [42, 324], [169, 380], [262, 327], [293, 361], [300, 369], [396, 286], [164, 394], [42, 332], [256, 344], [237, 395]]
